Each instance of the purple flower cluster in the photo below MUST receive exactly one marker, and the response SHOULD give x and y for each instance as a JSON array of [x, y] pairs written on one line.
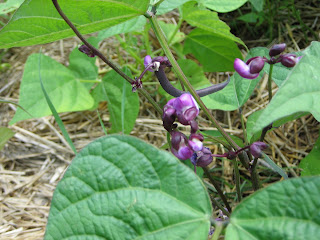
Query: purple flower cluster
[[253, 66], [185, 109]]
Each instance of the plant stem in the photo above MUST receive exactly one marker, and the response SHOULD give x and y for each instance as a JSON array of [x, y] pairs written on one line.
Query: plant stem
[[216, 185], [243, 127], [217, 231], [254, 175], [237, 179], [270, 82], [162, 40], [103, 58]]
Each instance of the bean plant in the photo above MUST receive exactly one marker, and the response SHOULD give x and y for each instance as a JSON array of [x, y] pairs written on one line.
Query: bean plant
[[120, 187]]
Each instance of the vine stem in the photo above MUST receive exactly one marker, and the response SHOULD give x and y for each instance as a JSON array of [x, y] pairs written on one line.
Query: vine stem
[[164, 44], [270, 82], [237, 179], [103, 58], [217, 187]]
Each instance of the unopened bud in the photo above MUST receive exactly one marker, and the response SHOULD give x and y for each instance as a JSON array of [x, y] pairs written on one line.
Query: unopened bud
[[256, 148], [86, 50], [277, 49]]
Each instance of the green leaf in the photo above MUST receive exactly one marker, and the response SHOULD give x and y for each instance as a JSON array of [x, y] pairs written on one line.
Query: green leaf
[[274, 166], [237, 92], [123, 104], [311, 164], [168, 5], [214, 52], [169, 29], [285, 210], [299, 93], [208, 21], [128, 26], [254, 136], [223, 5], [257, 4], [38, 22], [119, 187], [65, 91], [249, 17], [10, 6], [82, 66], [5, 135]]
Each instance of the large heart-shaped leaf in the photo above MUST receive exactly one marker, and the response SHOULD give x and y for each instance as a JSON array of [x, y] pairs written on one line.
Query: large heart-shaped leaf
[[285, 210], [65, 91], [119, 187], [223, 5], [311, 164], [214, 52], [37, 21], [208, 21], [299, 93]]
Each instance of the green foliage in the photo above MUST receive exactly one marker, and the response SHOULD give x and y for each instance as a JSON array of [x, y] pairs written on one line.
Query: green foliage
[[10, 6], [223, 5], [169, 31], [119, 187], [215, 53], [168, 5], [66, 92], [299, 93], [5, 135], [311, 164], [128, 26], [37, 21], [216, 137], [285, 210], [254, 136], [257, 4], [274, 166], [208, 21], [123, 104]]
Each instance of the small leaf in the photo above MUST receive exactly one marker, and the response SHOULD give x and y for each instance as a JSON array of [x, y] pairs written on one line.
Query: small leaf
[[299, 93], [285, 210], [274, 166], [169, 29], [223, 5], [5, 135], [214, 52], [311, 164], [218, 138], [119, 187], [257, 4], [37, 21], [123, 104], [208, 21], [66, 93]]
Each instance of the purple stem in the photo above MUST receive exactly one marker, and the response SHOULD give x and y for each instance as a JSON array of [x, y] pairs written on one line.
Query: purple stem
[[167, 86]]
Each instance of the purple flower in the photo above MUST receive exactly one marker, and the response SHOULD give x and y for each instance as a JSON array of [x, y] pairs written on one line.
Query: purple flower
[[154, 64], [179, 145], [251, 68], [202, 158], [86, 50], [277, 49], [290, 60], [256, 148], [195, 141], [186, 107]]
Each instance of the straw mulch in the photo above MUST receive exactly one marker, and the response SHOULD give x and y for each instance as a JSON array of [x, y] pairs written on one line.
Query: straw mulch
[[35, 159]]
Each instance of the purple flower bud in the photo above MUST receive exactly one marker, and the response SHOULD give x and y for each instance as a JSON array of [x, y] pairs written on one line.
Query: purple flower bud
[[251, 69], [179, 145], [86, 50], [194, 126], [147, 61], [256, 148], [277, 49], [290, 60], [195, 141], [202, 158], [169, 115], [186, 108]]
